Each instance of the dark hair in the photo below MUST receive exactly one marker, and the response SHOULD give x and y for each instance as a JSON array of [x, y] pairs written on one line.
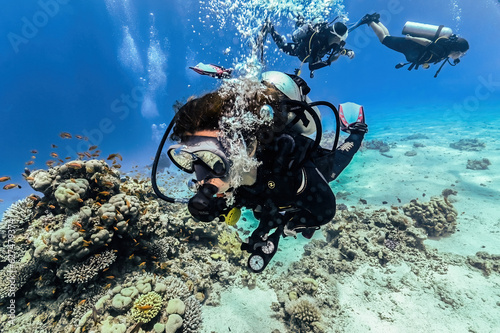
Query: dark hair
[[340, 28], [460, 45], [205, 112]]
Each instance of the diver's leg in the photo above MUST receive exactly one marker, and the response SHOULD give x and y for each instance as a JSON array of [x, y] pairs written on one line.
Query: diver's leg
[[380, 30]]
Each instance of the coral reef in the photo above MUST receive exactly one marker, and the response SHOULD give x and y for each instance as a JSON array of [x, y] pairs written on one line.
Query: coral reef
[[230, 243], [87, 270], [438, 216], [468, 145], [488, 263], [379, 145], [478, 164], [304, 313], [146, 307], [416, 136]]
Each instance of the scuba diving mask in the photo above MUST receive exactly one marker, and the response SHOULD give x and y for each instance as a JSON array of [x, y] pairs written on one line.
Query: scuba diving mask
[[202, 155]]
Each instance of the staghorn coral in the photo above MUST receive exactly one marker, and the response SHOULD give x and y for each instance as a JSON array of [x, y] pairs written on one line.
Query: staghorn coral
[[87, 270], [146, 307], [438, 216]]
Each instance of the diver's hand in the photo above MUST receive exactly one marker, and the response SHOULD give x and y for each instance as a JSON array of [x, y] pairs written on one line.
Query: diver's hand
[[348, 53], [357, 128]]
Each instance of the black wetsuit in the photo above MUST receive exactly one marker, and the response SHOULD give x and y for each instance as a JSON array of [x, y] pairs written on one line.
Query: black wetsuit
[[415, 52], [299, 194], [312, 47]]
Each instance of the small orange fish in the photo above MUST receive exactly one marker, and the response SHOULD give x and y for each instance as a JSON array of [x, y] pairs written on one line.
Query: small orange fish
[[53, 146], [104, 193], [11, 186], [104, 270], [40, 204], [88, 154], [77, 224], [98, 204], [30, 162], [86, 243], [55, 259], [128, 203], [104, 217], [79, 137], [111, 156], [131, 256], [107, 286], [33, 157], [74, 165], [92, 147], [32, 197], [4, 179], [110, 277], [52, 207], [50, 163], [67, 158], [29, 178], [144, 307], [95, 155], [54, 155], [34, 151], [65, 135], [79, 200], [82, 302], [142, 264]]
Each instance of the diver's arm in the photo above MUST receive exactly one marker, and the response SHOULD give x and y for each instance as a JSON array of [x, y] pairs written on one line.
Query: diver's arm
[[419, 40], [345, 152]]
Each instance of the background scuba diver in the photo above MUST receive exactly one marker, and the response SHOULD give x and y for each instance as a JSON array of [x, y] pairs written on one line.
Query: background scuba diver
[[439, 44], [312, 41], [289, 191]]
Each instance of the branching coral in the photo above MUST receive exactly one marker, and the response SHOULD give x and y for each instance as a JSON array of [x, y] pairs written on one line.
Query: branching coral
[[87, 270], [192, 317], [303, 312], [164, 248], [146, 307]]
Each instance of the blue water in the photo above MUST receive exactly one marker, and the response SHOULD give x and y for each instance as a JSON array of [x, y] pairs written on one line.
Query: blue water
[[71, 72]]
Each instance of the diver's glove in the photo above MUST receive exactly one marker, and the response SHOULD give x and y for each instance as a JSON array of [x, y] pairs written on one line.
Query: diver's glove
[[356, 128]]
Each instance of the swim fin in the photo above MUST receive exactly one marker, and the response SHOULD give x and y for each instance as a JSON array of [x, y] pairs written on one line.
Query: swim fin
[[214, 71], [350, 113]]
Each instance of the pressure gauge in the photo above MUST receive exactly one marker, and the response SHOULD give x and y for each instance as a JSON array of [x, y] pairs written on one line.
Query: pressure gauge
[[256, 263], [268, 248]]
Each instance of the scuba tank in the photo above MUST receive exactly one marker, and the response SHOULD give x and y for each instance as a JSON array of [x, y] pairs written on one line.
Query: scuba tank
[[301, 32], [428, 31]]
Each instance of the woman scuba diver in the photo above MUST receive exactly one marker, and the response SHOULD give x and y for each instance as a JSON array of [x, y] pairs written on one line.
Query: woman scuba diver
[[288, 188], [423, 44]]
